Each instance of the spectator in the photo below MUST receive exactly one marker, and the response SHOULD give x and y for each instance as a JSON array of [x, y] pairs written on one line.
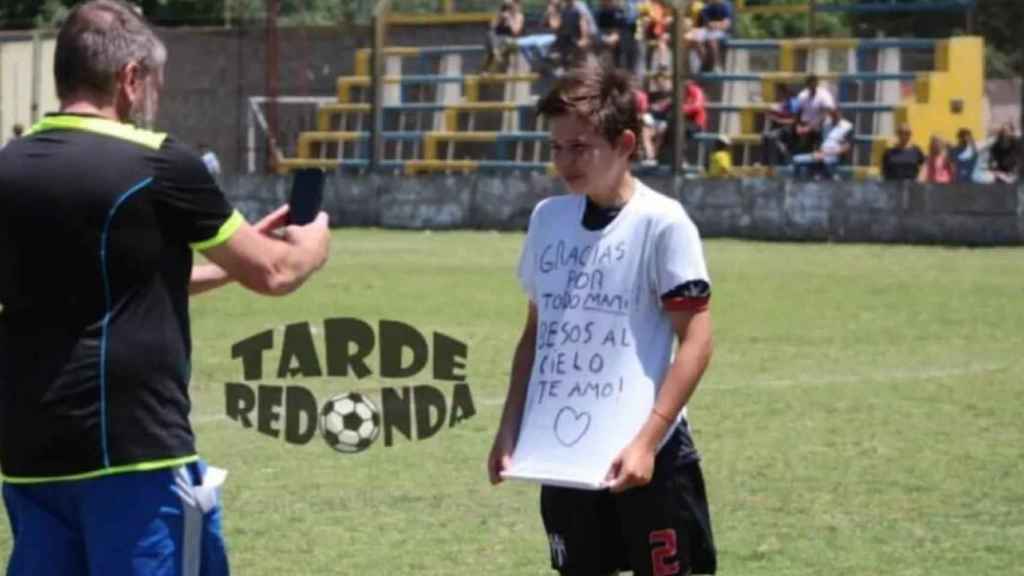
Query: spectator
[[964, 156], [903, 161], [814, 102], [648, 128], [837, 142], [714, 26], [659, 109], [938, 168], [573, 26], [611, 30], [506, 26], [720, 162], [657, 31], [779, 135], [1004, 155], [631, 47], [695, 111], [690, 32]]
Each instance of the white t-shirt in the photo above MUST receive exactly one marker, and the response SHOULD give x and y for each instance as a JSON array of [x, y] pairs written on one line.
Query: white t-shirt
[[813, 110], [604, 342], [835, 135]]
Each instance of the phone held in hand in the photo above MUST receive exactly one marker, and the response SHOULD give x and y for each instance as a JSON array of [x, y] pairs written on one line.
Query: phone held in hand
[[307, 195]]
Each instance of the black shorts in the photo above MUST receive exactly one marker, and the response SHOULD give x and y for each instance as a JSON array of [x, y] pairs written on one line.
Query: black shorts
[[660, 529]]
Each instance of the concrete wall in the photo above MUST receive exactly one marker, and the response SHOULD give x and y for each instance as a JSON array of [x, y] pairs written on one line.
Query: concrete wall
[[212, 72], [756, 209]]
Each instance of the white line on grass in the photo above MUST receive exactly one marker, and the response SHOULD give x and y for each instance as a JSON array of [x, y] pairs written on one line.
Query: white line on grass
[[905, 375]]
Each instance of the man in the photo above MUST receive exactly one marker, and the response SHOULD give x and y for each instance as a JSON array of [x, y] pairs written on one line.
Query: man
[[838, 140], [653, 517], [658, 122], [573, 24], [611, 30], [98, 220], [1004, 155], [903, 161], [779, 133], [814, 103]]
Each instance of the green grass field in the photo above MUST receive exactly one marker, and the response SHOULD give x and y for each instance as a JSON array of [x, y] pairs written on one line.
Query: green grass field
[[862, 415]]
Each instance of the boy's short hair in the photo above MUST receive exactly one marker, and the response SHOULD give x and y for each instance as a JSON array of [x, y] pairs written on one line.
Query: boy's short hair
[[598, 93]]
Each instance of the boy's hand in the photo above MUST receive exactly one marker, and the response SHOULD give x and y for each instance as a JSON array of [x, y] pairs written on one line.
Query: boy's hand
[[633, 467], [500, 458]]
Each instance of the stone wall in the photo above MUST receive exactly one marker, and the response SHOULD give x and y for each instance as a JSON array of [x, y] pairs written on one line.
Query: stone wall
[[757, 209]]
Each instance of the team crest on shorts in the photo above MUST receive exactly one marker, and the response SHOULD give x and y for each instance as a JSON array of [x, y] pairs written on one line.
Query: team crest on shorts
[[559, 557]]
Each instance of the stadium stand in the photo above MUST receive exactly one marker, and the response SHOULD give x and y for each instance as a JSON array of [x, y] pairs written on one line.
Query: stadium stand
[[439, 115]]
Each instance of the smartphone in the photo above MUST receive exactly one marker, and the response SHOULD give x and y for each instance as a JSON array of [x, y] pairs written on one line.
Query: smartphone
[[307, 195]]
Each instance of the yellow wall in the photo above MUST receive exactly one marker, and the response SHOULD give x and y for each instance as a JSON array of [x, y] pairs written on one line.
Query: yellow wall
[[959, 75]]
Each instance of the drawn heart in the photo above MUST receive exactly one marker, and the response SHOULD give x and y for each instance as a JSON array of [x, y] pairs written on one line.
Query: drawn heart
[[571, 426]]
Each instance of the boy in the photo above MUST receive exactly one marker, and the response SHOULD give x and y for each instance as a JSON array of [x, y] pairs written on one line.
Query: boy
[[653, 517]]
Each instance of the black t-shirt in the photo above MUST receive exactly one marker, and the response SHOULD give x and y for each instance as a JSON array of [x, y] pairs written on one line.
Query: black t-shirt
[[1005, 155], [97, 225], [569, 30], [902, 163]]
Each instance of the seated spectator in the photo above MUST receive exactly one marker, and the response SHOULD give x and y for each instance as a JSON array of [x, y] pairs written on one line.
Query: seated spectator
[[714, 25], [903, 161], [693, 108], [689, 35], [1004, 155], [573, 25], [779, 136], [720, 162], [506, 26], [657, 31], [814, 102], [647, 129], [629, 43], [938, 168], [964, 156], [837, 142], [611, 31], [658, 113]]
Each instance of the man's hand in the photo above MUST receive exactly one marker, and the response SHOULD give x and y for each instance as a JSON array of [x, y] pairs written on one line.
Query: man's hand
[[633, 467], [274, 221], [316, 236]]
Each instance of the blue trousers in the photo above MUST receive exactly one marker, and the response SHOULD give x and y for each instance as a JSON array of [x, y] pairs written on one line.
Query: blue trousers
[[158, 523]]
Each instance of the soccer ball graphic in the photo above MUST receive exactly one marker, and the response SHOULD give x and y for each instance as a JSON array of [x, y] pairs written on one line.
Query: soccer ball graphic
[[349, 422]]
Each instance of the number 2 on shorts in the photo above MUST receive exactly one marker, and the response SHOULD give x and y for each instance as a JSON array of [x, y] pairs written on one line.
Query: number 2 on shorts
[[663, 549]]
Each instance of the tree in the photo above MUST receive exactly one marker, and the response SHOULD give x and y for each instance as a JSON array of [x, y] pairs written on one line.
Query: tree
[[995, 20]]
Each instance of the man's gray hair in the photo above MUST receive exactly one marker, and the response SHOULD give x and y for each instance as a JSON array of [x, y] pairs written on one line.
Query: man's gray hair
[[99, 38]]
